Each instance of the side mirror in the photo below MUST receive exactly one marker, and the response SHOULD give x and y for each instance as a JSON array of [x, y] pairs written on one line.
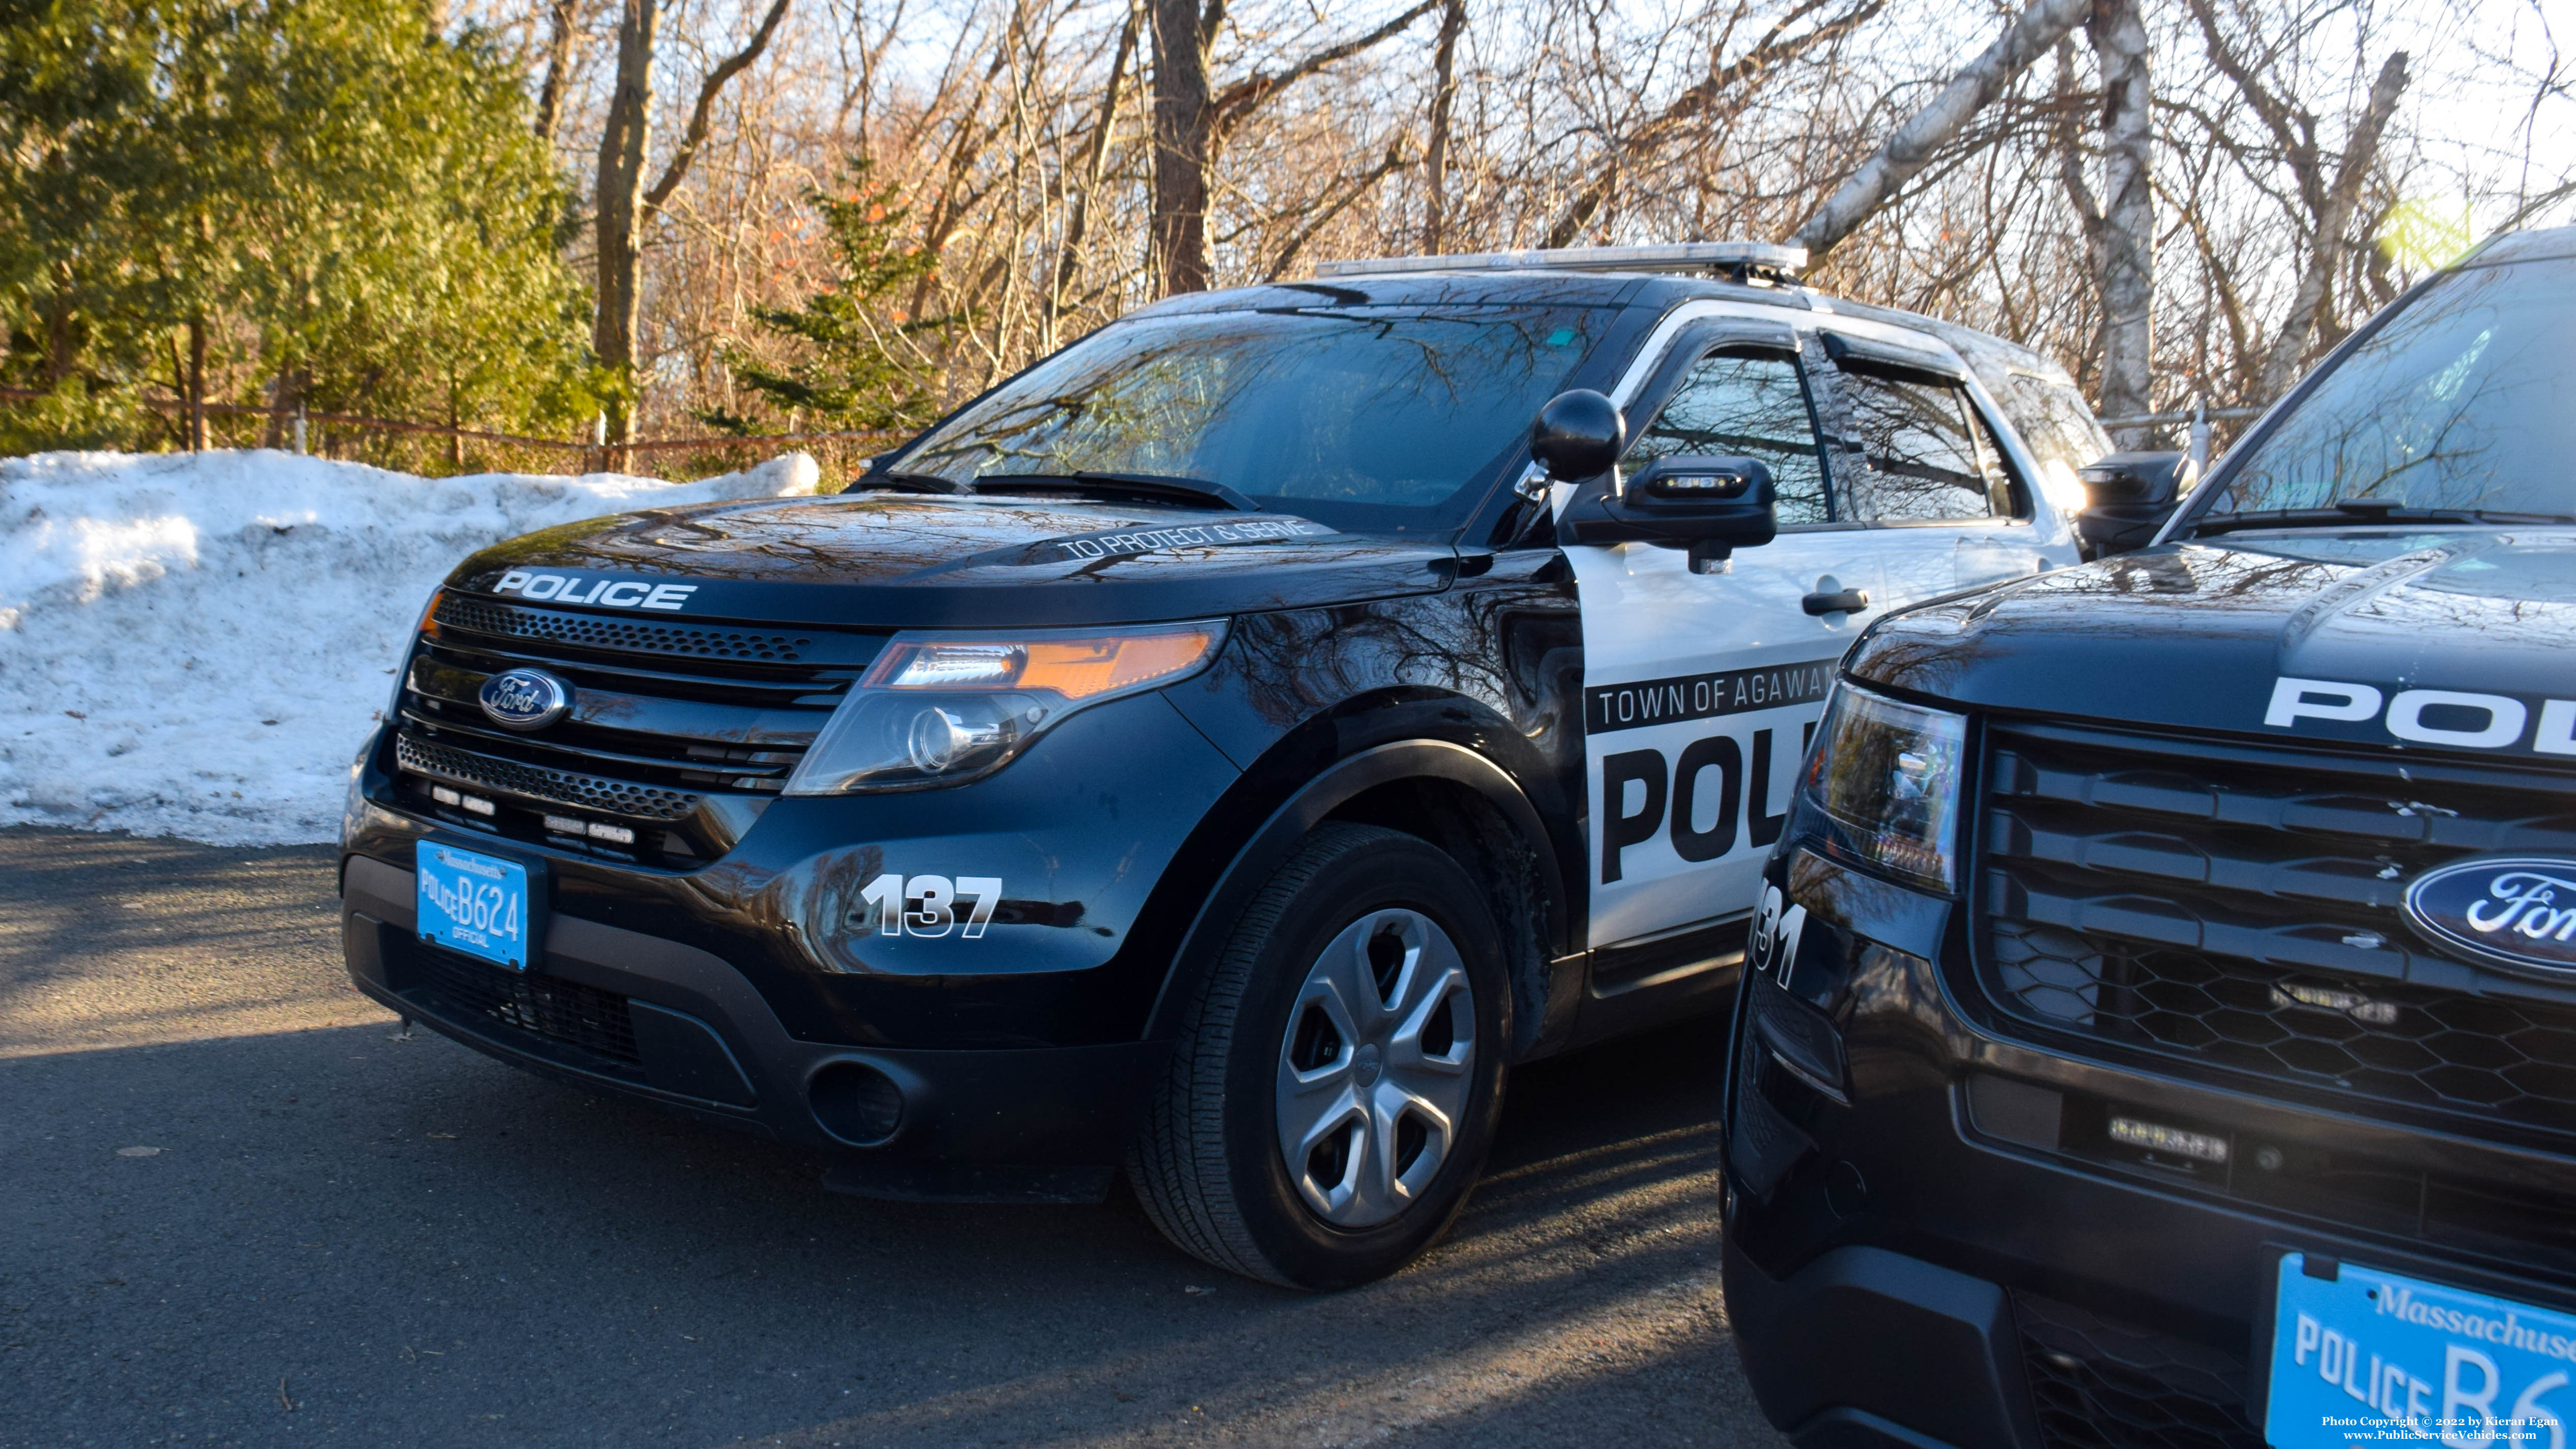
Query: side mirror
[[2128, 497], [1709, 505], [1578, 435]]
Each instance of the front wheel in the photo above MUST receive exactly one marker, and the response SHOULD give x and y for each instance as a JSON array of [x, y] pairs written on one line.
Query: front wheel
[[1337, 1077]]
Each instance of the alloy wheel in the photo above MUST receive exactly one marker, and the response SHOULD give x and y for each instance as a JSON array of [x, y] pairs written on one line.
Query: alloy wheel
[[1374, 1069]]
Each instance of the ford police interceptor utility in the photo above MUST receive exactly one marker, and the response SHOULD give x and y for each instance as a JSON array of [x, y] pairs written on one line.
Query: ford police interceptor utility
[[2163, 1024], [1215, 753]]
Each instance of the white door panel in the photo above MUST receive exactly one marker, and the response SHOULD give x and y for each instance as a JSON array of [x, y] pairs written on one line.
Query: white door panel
[[1691, 681], [1992, 555]]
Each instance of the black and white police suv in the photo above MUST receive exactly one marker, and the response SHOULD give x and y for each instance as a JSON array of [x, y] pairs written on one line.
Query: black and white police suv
[[1215, 753], [2162, 1031]]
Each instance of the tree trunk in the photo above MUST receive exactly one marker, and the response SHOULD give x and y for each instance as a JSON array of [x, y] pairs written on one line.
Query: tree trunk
[[558, 68], [1182, 131], [2125, 263], [62, 329], [620, 204], [285, 400], [2326, 244], [196, 384], [1911, 146], [1435, 154]]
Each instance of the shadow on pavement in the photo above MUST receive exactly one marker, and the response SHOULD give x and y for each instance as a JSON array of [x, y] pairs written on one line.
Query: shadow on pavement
[[348, 1238]]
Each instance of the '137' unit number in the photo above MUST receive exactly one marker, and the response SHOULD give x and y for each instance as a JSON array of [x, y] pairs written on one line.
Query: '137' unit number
[[926, 905]]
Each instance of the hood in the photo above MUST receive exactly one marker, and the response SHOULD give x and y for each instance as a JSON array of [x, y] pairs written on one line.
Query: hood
[[2452, 641], [887, 560]]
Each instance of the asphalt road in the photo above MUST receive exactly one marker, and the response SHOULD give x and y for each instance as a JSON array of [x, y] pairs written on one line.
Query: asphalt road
[[233, 1211]]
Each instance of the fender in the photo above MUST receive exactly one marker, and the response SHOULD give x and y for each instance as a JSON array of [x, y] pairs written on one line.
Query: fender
[[1277, 837]]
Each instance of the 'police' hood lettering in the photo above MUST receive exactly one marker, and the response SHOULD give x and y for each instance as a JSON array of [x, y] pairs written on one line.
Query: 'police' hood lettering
[[605, 593], [2465, 643]]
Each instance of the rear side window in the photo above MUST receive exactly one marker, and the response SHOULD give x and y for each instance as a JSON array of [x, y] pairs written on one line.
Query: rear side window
[[1930, 457], [2056, 427], [1745, 404]]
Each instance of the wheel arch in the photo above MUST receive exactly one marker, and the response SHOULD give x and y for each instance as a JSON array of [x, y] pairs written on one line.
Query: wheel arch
[[1460, 802]]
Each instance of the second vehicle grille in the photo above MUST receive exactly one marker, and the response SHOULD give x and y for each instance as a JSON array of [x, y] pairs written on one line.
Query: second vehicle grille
[[2241, 909]]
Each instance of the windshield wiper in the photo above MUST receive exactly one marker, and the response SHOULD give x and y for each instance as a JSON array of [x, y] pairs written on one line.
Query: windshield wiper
[[910, 482], [1158, 487], [2349, 511]]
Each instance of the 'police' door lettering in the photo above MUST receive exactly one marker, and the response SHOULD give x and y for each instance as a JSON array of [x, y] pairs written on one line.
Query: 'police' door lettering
[[1691, 782], [1686, 787]]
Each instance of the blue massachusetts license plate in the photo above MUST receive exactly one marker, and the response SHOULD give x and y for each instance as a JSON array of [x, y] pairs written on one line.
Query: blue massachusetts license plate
[[2372, 1355], [474, 903]]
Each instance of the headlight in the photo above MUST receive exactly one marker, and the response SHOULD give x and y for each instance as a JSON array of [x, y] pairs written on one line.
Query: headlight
[[1883, 786], [942, 709]]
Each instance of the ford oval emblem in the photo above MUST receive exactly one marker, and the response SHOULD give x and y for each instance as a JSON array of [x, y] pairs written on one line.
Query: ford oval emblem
[[2516, 912], [525, 699]]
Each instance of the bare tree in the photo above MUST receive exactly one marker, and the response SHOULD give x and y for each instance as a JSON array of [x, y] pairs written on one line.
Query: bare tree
[[1444, 100], [2327, 200], [619, 199], [1028, 146], [1077, 222], [2124, 250], [623, 201], [1777, 47], [1911, 146], [1191, 123], [560, 20]]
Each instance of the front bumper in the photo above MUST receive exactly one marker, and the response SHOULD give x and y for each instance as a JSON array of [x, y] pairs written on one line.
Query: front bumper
[[1930, 1240], [615, 1010]]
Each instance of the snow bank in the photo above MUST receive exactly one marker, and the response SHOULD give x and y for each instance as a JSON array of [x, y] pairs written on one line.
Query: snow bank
[[195, 644]]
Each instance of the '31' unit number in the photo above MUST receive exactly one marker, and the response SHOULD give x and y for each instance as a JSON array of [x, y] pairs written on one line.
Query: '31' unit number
[[926, 905]]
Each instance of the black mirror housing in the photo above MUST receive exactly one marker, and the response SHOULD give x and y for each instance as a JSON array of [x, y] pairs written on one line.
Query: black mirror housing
[[1710, 505], [2128, 497], [1578, 435]]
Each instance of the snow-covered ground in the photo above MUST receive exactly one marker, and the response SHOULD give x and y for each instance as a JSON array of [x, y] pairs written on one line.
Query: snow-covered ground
[[196, 644]]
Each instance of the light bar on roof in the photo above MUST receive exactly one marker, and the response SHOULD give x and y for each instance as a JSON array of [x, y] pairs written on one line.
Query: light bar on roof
[[1716, 256]]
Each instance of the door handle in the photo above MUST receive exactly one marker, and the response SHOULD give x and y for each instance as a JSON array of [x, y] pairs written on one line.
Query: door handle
[[1849, 601]]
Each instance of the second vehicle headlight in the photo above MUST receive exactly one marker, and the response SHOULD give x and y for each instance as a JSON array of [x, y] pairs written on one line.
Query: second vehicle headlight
[[944, 708], [1883, 786]]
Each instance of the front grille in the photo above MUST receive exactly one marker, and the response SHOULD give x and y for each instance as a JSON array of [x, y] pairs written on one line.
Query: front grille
[[561, 787], [593, 631], [667, 715], [2240, 909], [2099, 1384], [564, 1011]]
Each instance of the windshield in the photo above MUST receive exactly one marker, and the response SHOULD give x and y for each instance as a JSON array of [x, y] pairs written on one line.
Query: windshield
[[2465, 400], [1366, 419]]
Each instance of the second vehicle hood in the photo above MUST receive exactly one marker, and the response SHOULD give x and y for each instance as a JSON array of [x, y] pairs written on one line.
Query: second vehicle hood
[[903, 560], [2200, 635]]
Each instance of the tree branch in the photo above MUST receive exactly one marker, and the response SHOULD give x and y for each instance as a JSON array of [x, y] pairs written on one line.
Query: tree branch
[[1394, 160], [1246, 95], [1695, 100], [1912, 145], [2325, 247], [733, 65]]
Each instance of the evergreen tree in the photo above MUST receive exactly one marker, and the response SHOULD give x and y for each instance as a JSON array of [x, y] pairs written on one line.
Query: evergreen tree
[[313, 198], [858, 362]]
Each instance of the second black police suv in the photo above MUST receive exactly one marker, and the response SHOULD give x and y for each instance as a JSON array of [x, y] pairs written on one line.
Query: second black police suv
[[2162, 1028], [1215, 754]]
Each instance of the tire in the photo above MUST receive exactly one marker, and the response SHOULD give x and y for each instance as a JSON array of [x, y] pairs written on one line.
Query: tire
[[1307, 1133]]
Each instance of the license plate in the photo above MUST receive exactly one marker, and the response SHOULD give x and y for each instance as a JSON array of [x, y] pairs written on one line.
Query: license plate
[[474, 903], [2369, 1354]]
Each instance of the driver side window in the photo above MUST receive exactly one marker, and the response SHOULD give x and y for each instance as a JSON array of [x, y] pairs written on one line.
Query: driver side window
[[1929, 455], [1747, 404]]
